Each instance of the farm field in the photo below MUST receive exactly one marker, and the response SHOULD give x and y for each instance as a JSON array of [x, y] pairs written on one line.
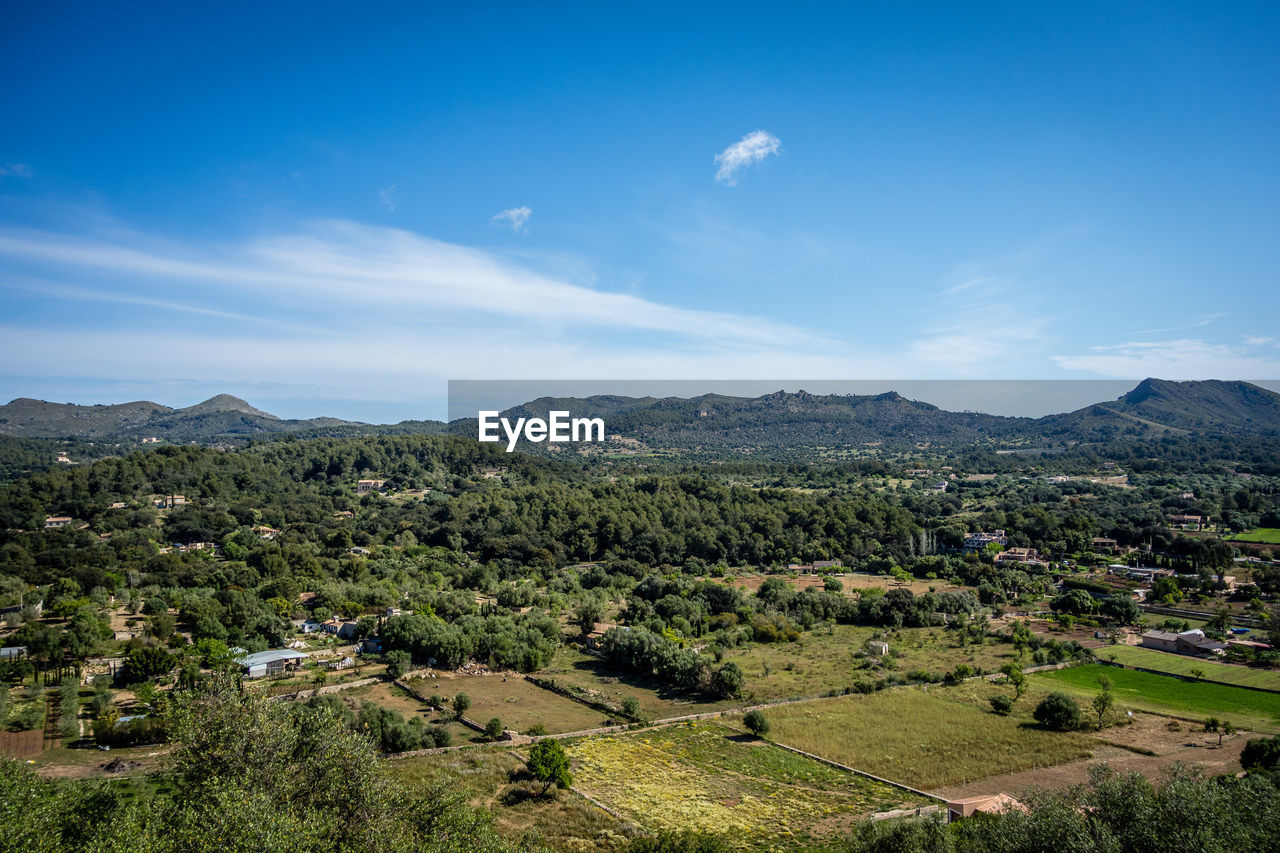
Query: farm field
[[821, 661], [573, 667], [1247, 709], [707, 778], [854, 582], [517, 703], [824, 659], [1183, 665], [1265, 535], [495, 779], [926, 738]]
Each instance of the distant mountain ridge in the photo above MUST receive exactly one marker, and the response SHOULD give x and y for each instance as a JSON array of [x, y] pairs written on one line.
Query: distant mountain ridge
[[712, 422], [218, 417]]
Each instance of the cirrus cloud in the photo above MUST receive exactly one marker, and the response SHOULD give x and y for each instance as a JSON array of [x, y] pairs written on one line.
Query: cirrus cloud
[[514, 217], [746, 152]]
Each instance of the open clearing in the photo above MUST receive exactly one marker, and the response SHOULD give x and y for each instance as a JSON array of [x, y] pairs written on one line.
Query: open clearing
[[926, 738], [1184, 745], [824, 659], [1249, 709], [821, 661], [496, 779], [572, 667], [1183, 665], [707, 778], [1265, 535], [517, 703], [853, 582]]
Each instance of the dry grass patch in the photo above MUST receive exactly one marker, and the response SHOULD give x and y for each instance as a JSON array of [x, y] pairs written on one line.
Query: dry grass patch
[[494, 779], [517, 703], [707, 778], [925, 738]]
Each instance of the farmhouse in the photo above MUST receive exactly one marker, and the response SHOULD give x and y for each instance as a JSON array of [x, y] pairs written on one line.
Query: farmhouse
[[270, 662], [979, 541], [343, 629], [1019, 555], [1193, 642], [370, 485], [13, 652], [1188, 522], [56, 521]]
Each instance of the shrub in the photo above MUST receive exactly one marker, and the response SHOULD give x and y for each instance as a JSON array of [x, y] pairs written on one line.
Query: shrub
[[756, 723], [1002, 704], [1261, 754], [549, 764], [493, 729], [1058, 711]]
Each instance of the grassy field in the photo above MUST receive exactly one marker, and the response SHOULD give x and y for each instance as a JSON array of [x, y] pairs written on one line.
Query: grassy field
[[708, 778], [926, 738], [495, 779], [517, 703], [821, 661], [1248, 709], [1265, 535], [1183, 665], [571, 666]]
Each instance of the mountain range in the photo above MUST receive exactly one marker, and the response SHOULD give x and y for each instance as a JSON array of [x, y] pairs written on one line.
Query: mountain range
[[217, 418], [711, 422]]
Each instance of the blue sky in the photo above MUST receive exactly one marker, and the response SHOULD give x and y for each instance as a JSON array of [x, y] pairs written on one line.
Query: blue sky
[[331, 210]]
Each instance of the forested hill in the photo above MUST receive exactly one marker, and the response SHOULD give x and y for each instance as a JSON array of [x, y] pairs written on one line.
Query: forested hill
[[221, 419], [537, 513], [1157, 406]]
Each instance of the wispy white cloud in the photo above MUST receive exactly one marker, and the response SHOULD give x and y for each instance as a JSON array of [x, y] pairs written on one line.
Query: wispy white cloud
[[983, 322], [387, 195], [1194, 324], [746, 152], [1184, 358], [513, 217], [15, 170], [334, 265]]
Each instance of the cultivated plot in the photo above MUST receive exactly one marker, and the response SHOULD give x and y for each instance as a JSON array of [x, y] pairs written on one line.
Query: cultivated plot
[[707, 778], [1249, 709], [1192, 667], [925, 737]]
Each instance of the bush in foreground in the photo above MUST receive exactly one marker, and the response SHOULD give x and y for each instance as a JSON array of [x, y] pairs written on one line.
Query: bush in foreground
[[247, 774], [1114, 813]]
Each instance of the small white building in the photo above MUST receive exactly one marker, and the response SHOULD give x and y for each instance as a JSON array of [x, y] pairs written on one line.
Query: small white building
[[271, 662]]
